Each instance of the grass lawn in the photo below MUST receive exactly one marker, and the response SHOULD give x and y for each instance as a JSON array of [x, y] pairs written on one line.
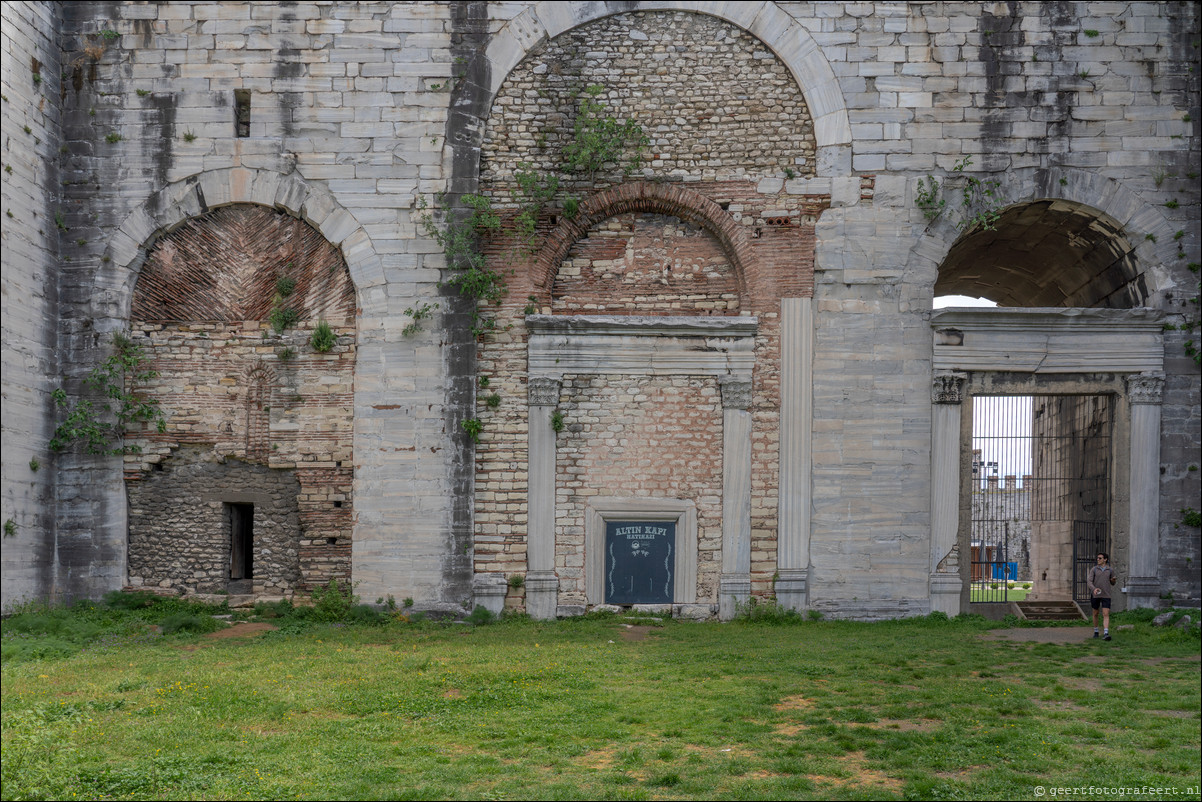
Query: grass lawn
[[592, 709], [1016, 593]]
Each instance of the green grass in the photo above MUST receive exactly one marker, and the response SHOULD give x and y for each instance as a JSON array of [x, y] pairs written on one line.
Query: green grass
[[1015, 593], [918, 709]]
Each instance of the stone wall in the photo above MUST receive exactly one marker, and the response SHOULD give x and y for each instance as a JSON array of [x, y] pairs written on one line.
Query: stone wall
[[644, 265], [714, 103], [1001, 515], [357, 109], [31, 124], [227, 390], [644, 437], [348, 123], [179, 524]]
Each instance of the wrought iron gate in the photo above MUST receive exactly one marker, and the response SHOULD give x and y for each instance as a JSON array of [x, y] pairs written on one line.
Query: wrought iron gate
[[1040, 481]]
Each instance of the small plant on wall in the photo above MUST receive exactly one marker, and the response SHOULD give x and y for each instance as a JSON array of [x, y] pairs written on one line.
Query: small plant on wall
[[980, 201], [282, 317], [323, 338], [100, 428]]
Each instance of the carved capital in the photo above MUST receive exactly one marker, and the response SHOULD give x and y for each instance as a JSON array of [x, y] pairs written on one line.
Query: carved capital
[[1145, 388], [947, 388], [736, 393], [543, 392]]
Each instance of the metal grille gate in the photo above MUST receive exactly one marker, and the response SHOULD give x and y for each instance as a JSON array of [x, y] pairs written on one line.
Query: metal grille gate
[[1040, 483]]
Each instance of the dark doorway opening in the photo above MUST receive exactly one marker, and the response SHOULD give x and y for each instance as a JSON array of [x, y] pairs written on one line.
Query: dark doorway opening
[[242, 539]]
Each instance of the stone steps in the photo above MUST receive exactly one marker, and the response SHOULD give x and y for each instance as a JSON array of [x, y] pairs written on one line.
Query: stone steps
[[1050, 610]]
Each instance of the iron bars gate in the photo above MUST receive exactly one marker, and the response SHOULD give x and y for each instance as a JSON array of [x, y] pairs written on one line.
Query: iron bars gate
[[1040, 494]]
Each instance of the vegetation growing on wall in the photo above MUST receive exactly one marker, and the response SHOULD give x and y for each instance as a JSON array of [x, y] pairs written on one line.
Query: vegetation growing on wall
[[599, 141], [980, 201], [101, 428]]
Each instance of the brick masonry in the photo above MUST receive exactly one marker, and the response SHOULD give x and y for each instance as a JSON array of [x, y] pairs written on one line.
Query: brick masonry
[[1089, 104], [255, 411]]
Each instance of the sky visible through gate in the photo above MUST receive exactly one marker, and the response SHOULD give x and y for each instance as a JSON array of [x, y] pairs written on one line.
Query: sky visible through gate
[[1001, 427]]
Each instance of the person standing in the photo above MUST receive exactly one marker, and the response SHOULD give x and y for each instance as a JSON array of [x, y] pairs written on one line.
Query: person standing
[[1101, 578]]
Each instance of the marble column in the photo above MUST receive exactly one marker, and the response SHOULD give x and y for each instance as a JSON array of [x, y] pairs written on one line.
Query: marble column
[[796, 433], [542, 584], [946, 583], [734, 583], [1144, 393]]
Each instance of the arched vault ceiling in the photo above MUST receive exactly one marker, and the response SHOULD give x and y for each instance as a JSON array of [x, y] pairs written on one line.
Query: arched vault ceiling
[[1046, 253], [224, 266]]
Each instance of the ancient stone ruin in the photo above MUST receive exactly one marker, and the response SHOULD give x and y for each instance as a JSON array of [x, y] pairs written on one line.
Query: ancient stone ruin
[[548, 306]]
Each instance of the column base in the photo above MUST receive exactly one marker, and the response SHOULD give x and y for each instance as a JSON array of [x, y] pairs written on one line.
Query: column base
[[542, 595], [488, 591], [945, 594], [733, 590], [792, 592], [1143, 591]]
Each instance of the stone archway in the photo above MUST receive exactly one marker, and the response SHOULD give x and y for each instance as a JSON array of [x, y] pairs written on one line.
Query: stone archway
[[1118, 228], [765, 20], [251, 479]]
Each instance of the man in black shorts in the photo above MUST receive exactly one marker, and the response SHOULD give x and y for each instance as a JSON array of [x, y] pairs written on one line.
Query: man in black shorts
[[1101, 578]]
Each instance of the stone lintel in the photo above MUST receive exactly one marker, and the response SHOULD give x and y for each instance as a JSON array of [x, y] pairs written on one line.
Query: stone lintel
[[646, 325], [1038, 340]]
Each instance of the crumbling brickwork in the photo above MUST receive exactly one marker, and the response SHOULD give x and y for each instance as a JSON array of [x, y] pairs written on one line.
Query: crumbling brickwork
[[247, 396]]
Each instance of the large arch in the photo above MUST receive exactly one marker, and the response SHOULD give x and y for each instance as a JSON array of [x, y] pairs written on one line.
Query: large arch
[[765, 20], [166, 209], [1108, 215]]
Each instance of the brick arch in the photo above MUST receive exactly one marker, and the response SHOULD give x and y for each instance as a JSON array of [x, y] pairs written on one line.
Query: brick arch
[[1103, 197], [765, 20], [163, 211], [642, 196]]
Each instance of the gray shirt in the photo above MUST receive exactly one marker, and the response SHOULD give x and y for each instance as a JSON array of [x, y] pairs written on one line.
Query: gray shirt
[[1099, 580]]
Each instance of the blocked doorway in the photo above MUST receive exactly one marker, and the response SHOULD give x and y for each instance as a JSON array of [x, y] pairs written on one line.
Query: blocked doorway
[[1040, 479]]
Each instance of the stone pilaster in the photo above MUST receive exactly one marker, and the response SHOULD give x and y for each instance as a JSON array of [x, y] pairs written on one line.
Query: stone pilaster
[[734, 584], [796, 464], [946, 583], [1144, 393], [542, 584]]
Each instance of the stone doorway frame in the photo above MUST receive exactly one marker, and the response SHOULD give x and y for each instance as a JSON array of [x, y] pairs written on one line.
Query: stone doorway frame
[[719, 347], [683, 513], [1096, 351]]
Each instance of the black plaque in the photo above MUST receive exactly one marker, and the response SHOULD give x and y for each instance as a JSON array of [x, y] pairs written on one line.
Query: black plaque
[[640, 562]]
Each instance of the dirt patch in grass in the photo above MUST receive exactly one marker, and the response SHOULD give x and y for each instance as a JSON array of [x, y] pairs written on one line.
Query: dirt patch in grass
[[1083, 683], [862, 775], [1175, 713], [452, 693], [794, 703], [598, 759], [636, 632], [960, 774], [242, 629], [1041, 634], [1155, 661], [1058, 705], [791, 729]]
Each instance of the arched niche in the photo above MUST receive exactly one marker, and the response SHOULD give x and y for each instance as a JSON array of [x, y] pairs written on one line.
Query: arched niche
[[230, 309]]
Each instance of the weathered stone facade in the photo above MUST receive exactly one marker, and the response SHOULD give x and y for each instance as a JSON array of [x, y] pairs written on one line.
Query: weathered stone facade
[[782, 215]]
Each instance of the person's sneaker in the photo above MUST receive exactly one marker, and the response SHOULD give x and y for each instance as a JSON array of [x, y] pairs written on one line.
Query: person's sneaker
[[1106, 636], [1095, 633]]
